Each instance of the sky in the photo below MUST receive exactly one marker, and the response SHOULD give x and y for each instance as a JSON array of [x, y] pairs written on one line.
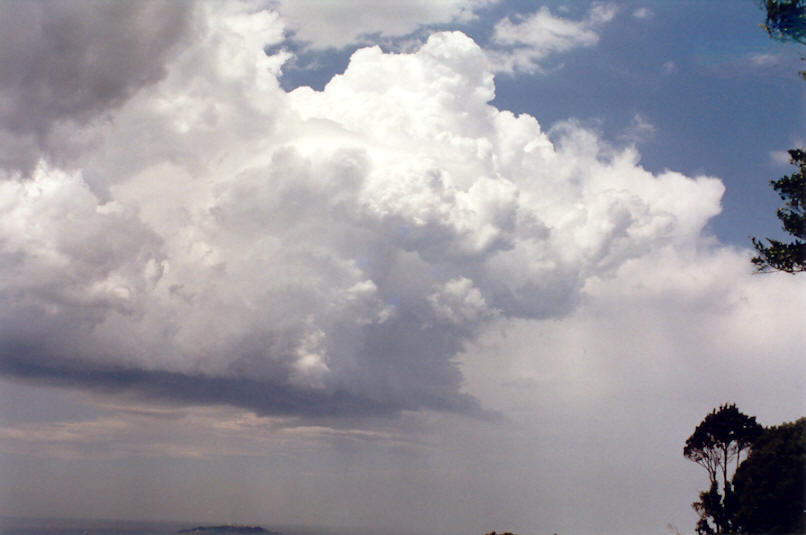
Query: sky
[[435, 267]]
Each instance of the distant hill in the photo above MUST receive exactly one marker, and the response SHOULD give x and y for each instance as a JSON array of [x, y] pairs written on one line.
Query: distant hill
[[229, 530]]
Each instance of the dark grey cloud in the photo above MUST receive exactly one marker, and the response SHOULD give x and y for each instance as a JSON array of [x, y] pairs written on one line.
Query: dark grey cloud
[[69, 61], [264, 397]]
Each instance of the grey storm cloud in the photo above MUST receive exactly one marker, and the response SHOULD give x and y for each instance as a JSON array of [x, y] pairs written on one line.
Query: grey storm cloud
[[69, 61], [263, 397], [317, 254]]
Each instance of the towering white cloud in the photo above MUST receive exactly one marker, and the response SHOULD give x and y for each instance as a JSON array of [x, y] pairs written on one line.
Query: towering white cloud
[[314, 253]]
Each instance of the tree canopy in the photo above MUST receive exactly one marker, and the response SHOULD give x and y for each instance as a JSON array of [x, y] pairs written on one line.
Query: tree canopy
[[718, 440], [786, 20], [769, 485], [779, 255]]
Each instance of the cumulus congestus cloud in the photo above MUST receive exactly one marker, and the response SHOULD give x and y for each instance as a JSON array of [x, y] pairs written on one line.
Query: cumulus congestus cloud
[[313, 253]]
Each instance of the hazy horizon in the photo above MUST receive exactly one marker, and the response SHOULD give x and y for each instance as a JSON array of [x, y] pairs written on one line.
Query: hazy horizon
[[19, 525]]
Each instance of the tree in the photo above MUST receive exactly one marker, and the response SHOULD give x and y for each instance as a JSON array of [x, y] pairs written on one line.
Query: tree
[[778, 255], [786, 20], [770, 485], [718, 440]]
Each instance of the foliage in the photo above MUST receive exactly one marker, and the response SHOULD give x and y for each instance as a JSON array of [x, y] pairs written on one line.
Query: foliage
[[777, 255], [770, 484], [720, 438], [717, 513], [786, 20], [709, 508]]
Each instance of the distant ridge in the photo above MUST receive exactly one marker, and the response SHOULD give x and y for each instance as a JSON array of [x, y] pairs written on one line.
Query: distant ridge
[[227, 529]]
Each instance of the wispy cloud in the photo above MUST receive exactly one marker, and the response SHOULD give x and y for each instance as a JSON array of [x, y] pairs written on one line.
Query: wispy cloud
[[529, 39], [138, 430], [321, 25], [639, 129], [669, 68], [762, 60]]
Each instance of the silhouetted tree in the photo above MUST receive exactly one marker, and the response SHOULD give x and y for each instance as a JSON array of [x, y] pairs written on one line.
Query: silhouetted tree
[[718, 440], [770, 484], [786, 20], [778, 255]]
